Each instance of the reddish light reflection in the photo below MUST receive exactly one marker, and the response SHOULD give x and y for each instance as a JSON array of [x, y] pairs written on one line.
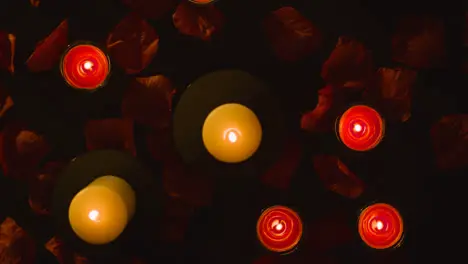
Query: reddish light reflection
[[380, 226], [279, 229], [202, 2], [85, 67], [361, 128]]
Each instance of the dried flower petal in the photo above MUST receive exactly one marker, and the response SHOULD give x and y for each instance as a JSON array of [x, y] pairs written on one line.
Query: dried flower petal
[[323, 117], [419, 42], [337, 177], [188, 185], [280, 174], [291, 35], [48, 52], [450, 141], [197, 21], [15, 245], [148, 101], [112, 133], [21, 151], [133, 43], [393, 91], [41, 188], [7, 51], [154, 9], [349, 62]]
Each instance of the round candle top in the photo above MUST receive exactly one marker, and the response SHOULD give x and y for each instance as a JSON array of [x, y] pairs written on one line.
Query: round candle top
[[279, 229], [85, 67], [361, 128], [232, 133], [380, 226], [99, 213]]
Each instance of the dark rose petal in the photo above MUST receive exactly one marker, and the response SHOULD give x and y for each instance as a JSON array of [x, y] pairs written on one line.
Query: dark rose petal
[[337, 177], [280, 174], [186, 184], [291, 35], [133, 43], [392, 91], [450, 141], [21, 151], [419, 42], [148, 101], [48, 52], [323, 117], [110, 133], [350, 62], [41, 188], [16, 246], [7, 51], [197, 21], [154, 9]]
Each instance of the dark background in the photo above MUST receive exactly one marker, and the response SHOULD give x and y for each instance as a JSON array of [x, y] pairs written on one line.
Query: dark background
[[401, 170]]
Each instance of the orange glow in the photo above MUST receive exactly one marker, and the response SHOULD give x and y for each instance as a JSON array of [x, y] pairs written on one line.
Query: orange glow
[[361, 128], [279, 229], [232, 133], [380, 226], [202, 2], [85, 67]]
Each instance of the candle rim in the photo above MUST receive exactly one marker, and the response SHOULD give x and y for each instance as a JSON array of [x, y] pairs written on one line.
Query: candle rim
[[393, 210], [339, 130], [195, 2], [296, 218], [101, 49]]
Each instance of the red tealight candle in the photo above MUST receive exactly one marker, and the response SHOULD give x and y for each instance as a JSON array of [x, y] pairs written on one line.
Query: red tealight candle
[[380, 226], [279, 229], [85, 67], [361, 128]]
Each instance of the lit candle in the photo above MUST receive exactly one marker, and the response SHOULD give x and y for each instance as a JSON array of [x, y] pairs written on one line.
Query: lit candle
[[85, 67], [380, 226], [279, 229], [232, 133], [99, 213], [361, 128]]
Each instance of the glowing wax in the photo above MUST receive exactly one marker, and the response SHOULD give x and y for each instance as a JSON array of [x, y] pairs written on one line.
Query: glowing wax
[[100, 212], [232, 133]]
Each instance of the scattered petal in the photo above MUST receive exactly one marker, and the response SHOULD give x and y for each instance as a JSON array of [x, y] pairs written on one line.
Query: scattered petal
[[148, 101], [419, 42], [112, 133], [197, 21], [349, 62], [48, 52], [133, 43], [337, 177], [291, 35]]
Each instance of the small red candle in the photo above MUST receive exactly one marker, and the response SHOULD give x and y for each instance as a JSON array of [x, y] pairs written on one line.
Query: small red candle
[[279, 229], [85, 67], [380, 226], [361, 128]]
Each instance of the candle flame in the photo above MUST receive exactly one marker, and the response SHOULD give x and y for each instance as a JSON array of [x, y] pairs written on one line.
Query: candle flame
[[88, 65], [357, 128], [94, 216], [232, 134], [379, 225]]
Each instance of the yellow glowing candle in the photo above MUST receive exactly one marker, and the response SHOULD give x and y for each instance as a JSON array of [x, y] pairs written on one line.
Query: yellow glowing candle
[[232, 133], [100, 212]]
